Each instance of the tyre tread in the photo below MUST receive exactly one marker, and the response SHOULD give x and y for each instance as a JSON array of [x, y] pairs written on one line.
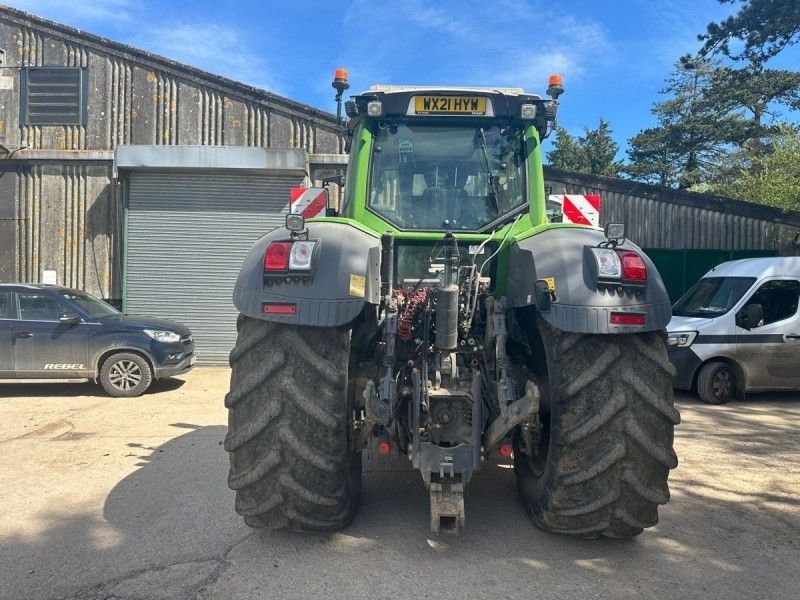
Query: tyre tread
[[613, 427], [291, 466]]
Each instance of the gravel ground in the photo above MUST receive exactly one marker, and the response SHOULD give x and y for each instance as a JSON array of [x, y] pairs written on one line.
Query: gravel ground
[[126, 499]]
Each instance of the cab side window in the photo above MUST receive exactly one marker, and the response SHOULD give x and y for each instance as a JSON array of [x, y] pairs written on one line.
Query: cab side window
[[5, 305], [778, 298], [39, 307]]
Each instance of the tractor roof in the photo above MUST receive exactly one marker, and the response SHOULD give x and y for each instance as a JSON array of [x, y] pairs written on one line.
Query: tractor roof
[[391, 89], [449, 103]]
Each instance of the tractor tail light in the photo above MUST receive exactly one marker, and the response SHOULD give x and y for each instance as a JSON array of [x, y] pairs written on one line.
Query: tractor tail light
[[278, 308], [618, 318], [276, 258], [633, 267]]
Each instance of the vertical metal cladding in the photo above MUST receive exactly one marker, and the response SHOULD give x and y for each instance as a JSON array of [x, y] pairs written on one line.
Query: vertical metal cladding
[[65, 223], [166, 110], [653, 221], [118, 102], [257, 126], [211, 117]]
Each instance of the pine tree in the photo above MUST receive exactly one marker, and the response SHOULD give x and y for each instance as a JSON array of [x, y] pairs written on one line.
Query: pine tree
[[567, 153], [593, 152], [764, 28], [651, 159], [692, 132], [754, 94], [600, 150]]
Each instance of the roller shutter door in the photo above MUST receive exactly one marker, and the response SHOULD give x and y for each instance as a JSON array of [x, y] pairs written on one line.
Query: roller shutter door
[[187, 235]]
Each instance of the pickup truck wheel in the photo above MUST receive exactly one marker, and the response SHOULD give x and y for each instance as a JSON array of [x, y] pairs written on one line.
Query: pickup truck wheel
[[716, 383], [291, 459], [125, 375], [602, 460]]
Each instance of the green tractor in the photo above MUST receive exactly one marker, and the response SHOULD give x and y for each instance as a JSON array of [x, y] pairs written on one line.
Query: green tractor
[[437, 313]]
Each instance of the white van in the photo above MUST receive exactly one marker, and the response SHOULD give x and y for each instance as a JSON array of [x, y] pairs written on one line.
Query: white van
[[737, 330]]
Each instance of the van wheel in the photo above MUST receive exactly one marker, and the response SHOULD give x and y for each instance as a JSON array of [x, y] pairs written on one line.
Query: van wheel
[[125, 375], [716, 383]]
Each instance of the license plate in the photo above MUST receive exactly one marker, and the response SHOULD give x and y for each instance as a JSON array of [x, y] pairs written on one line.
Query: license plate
[[449, 105], [192, 360]]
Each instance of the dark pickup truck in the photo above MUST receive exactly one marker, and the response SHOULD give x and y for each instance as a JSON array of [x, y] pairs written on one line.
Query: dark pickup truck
[[50, 332]]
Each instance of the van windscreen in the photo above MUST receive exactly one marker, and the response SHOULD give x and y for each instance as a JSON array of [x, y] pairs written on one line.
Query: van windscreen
[[712, 296]]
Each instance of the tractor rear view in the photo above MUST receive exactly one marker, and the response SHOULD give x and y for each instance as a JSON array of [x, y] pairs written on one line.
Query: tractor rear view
[[437, 313]]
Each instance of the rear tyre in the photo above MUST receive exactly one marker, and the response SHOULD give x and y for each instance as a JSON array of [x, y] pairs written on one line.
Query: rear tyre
[[602, 462], [289, 429], [716, 383], [125, 375]]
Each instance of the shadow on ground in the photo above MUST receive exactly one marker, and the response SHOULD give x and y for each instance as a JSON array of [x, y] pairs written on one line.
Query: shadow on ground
[[85, 388], [169, 531]]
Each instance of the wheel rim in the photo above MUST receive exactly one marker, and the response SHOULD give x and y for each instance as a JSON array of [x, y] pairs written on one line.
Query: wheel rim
[[722, 384], [125, 375]]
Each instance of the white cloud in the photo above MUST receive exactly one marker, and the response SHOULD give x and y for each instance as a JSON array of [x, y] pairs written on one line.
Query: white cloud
[[440, 19], [536, 67], [572, 48], [203, 43], [669, 29], [77, 12], [213, 47], [507, 42]]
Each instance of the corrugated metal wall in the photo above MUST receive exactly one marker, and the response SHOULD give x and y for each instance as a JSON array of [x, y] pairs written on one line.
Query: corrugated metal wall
[[665, 218], [188, 234], [65, 218]]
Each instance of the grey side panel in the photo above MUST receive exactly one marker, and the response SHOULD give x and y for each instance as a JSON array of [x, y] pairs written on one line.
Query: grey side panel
[[580, 306], [326, 298]]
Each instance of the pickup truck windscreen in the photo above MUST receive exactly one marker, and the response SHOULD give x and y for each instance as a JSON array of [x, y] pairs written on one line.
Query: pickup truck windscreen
[[94, 306]]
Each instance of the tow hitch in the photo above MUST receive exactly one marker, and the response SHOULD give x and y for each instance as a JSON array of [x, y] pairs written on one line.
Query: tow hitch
[[447, 506]]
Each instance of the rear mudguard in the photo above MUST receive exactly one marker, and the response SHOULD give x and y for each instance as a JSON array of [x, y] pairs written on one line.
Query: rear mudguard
[[345, 274], [580, 305]]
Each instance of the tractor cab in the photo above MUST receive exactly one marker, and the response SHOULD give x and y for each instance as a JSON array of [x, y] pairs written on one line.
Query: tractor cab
[[465, 160]]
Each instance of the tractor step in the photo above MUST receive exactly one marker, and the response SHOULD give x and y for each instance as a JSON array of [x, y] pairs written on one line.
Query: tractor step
[[447, 507]]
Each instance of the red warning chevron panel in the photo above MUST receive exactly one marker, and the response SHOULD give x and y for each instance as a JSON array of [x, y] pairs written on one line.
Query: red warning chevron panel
[[578, 208], [309, 202]]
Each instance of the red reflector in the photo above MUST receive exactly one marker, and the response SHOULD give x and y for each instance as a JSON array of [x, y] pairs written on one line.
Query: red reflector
[[505, 450], [628, 319], [276, 257], [279, 309], [384, 447], [633, 267]]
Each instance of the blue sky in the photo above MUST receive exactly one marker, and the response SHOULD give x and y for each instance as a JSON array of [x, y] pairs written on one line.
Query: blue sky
[[614, 54]]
